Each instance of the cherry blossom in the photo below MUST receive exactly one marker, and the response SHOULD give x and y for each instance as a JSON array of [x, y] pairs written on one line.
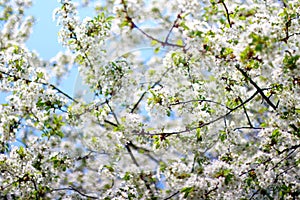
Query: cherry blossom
[[191, 100]]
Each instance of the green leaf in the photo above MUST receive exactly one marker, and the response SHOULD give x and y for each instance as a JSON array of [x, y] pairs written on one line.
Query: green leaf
[[110, 18], [21, 152], [162, 166], [247, 54], [290, 62], [154, 42], [156, 50], [186, 191], [168, 113], [127, 176], [110, 168], [228, 178], [222, 135], [184, 26], [198, 135], [179, 42]]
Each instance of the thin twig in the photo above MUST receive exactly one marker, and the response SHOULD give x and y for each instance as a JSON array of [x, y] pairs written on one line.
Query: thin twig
[[291, 148], [246, 113], [173, 26], [111, 123], [133, 25], [286, 157], [42, 83], [227, 13], [246, 127], [157, 40], [256, 87], [254, 193], [76, 190], [73, 33], [174, 194], [212, 190], [284, 171], [113, 113], [203, 124], [294, 148], [147, 152], [145, 92], [202, 100], [131, 155]]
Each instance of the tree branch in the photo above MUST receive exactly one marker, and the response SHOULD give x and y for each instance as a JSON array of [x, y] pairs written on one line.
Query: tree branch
[[131, 155], [286, 157], [113, 113], [245, 127], [173, 26], [133, 25], [256, 87], [76, 190], [202, 100], [147, 152], [42, 83], [145, 92], [246, 113], [227, 13], [174, 194], [203, 124]]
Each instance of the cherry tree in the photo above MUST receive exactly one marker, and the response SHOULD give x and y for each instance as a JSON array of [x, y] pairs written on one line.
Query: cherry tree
[[212, 113]]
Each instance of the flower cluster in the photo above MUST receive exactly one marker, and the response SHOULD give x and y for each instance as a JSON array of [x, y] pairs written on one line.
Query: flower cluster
[[192, 100]]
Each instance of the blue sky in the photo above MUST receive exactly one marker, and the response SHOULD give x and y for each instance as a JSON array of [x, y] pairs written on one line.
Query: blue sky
[[44, 41], [44, 38]]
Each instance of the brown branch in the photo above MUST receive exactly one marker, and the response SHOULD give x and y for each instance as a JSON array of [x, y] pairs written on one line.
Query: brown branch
[[217, 119], [111, 123], [157, 40], [147, 152], [140, 99], [258, 164], [287, 37], [74, 36], [127, 146], [227, 13], [92, 107], [212, 190], [145, 92], [294, 148], [165, 134], [133, 25], [174, 194], [147, 184], [41, 83], [286, 157], [256, 87], [85, 157], [173, 26], [37, 194], [284, 3], [246, 113], [202, 100], [291, 148], [284, 171], [287, 25], [76, 190], [131, 155], [113, 113], [246, 127], [254, 193]]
